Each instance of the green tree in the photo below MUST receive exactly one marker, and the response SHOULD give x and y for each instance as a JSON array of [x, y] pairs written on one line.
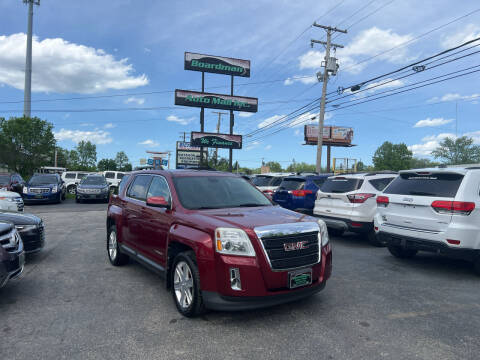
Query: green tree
[[418, 163], [107, 164], [123, 164], [457, 151], [274, 166], [26, 144], [87, 155], [301, 167], [392, 157], [361, 166]]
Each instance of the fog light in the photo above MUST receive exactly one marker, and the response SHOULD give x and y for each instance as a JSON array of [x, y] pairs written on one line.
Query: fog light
[[235, 282]]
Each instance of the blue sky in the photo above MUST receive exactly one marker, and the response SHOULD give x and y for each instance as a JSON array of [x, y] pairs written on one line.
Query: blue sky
[[99, 48]]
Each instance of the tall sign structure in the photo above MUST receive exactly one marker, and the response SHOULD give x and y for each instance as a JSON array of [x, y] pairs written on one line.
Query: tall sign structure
[[217, 65], [27, 96], [330, 66]]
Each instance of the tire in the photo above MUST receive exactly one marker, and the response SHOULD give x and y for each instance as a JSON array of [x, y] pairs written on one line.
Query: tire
[[335, 232], [400, 252], [77, 200], [116, 257], [64, 196], [185, 279], [72, 189], [373, 239]]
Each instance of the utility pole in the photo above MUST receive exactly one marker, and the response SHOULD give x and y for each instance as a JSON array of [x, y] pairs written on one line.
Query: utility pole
[[27, 100], [218, 130], [183, 134], [330, 65]]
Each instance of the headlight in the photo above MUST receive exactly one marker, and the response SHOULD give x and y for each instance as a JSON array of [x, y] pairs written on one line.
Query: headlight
[[231, 241], [54, 189], [323, 232], [105, 189], [79, 190], [7, 198], [25, 227], [25, 190]]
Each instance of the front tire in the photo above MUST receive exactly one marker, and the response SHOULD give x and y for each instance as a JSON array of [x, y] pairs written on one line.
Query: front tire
[[186, 285], [401, 252], [72, 189], [113, 250]]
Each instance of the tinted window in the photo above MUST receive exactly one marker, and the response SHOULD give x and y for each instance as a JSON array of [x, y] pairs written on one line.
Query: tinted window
[[381, 184], [319, 182], [159, 187], [93, 180], [123, 183], [120, 176], [441, 185], [70, 176], [110, 175], [262, 180], [276, 181], [341, 185], [216, 192], [43, 180], [81, 175], [138, 189], [292, 184], [4, 179]]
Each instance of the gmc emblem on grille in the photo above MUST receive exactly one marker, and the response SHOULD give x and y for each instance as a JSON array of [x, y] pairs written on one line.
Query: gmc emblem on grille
[[296, 246]]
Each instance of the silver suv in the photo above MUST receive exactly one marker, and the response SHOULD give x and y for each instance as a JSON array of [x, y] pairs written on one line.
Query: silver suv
[[435, 210]]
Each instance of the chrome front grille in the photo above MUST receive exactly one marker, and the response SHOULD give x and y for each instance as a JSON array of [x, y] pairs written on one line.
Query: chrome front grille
[[290, 246], [39, 190]]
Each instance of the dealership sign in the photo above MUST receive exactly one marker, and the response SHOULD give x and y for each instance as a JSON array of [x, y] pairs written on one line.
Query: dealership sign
[[183, 145], [332, 135], [215, 101], [187, 155], [214, 140], [217, 64]]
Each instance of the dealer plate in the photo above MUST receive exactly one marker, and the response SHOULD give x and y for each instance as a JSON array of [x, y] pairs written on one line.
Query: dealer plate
[[299, 278]]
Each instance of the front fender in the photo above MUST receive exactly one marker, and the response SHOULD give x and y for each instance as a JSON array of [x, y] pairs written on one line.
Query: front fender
[[202, 244]]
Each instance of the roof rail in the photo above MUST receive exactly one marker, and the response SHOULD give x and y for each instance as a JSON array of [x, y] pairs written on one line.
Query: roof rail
[[381, 172]]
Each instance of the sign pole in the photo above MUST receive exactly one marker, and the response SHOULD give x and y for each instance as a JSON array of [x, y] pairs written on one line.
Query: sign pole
[[230, 151], [202, 118]]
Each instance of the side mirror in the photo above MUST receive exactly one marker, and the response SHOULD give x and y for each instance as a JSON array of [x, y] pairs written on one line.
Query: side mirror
[[158, 201]]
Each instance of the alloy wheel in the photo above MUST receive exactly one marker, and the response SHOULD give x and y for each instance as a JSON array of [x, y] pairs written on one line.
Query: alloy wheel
[[112, 245], [183, 284]]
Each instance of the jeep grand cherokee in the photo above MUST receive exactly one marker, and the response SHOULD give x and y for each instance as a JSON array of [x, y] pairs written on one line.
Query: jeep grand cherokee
[[220, 243]]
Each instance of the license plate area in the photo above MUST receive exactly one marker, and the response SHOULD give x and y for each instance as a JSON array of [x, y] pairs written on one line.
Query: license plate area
[[299, 278]]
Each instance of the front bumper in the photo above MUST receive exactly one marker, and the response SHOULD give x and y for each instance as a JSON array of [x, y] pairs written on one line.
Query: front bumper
[[39, 198], [346, 224], [438, 247], [97, 196], [11, 206], [33, 239], [13, 263]]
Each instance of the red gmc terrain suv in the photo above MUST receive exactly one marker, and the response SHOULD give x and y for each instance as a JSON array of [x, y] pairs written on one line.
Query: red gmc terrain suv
[[219, 242]]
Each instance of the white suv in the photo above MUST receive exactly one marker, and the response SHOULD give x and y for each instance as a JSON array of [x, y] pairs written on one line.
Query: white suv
[[113, 178], [347, 202], [72, 179], [434, 210]]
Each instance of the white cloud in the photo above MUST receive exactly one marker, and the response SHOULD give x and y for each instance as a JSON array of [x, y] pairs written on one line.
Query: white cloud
[[429, 143], [97, 136], [181, 121], [453, 97], [268, 147], [63, 67], [365, 44], [297, 132], [270, 120], [301, 120], [136, 100], [149, 143], [300, 78], [253, 145], [109, 125], [432, 122], [147, 50], [245, 114], [469, 32]]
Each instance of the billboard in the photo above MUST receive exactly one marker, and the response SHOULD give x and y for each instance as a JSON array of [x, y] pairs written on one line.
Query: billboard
[[215, 140], [183, 145], [187, 155], [332, 135], [217, 64], [215, 101]]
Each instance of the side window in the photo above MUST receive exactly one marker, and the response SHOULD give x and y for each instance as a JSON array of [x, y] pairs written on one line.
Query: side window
[[319, 182], [159, 187], [381, 184], [120, 175], [123, 183], [276, 181], [110, 175], [81, 176], [70, 176], [139, 186]]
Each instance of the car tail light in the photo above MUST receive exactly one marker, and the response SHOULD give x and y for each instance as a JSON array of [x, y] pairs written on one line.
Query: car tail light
[[300, 193], [453, 207], [268, 191], [359, 198], [383, 201], [453, 242]]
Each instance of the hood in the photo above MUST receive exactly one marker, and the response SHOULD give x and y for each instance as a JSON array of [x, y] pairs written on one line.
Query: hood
[[249, 218], [9, 194], [42, 185], [19, 219], [89, 186]]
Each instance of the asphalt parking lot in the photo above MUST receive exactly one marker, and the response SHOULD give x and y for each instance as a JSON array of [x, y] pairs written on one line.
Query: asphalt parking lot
[[72, 304]]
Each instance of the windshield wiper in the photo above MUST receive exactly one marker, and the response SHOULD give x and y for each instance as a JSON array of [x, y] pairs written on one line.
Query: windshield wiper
[[205, 208], [250, 205]]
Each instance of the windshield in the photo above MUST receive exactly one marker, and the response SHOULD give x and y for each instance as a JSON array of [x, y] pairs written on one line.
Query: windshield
[[4, 179], [262, 180], [292, 184], [217, 192], [93, 180], [341, 185], [43, 180]]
